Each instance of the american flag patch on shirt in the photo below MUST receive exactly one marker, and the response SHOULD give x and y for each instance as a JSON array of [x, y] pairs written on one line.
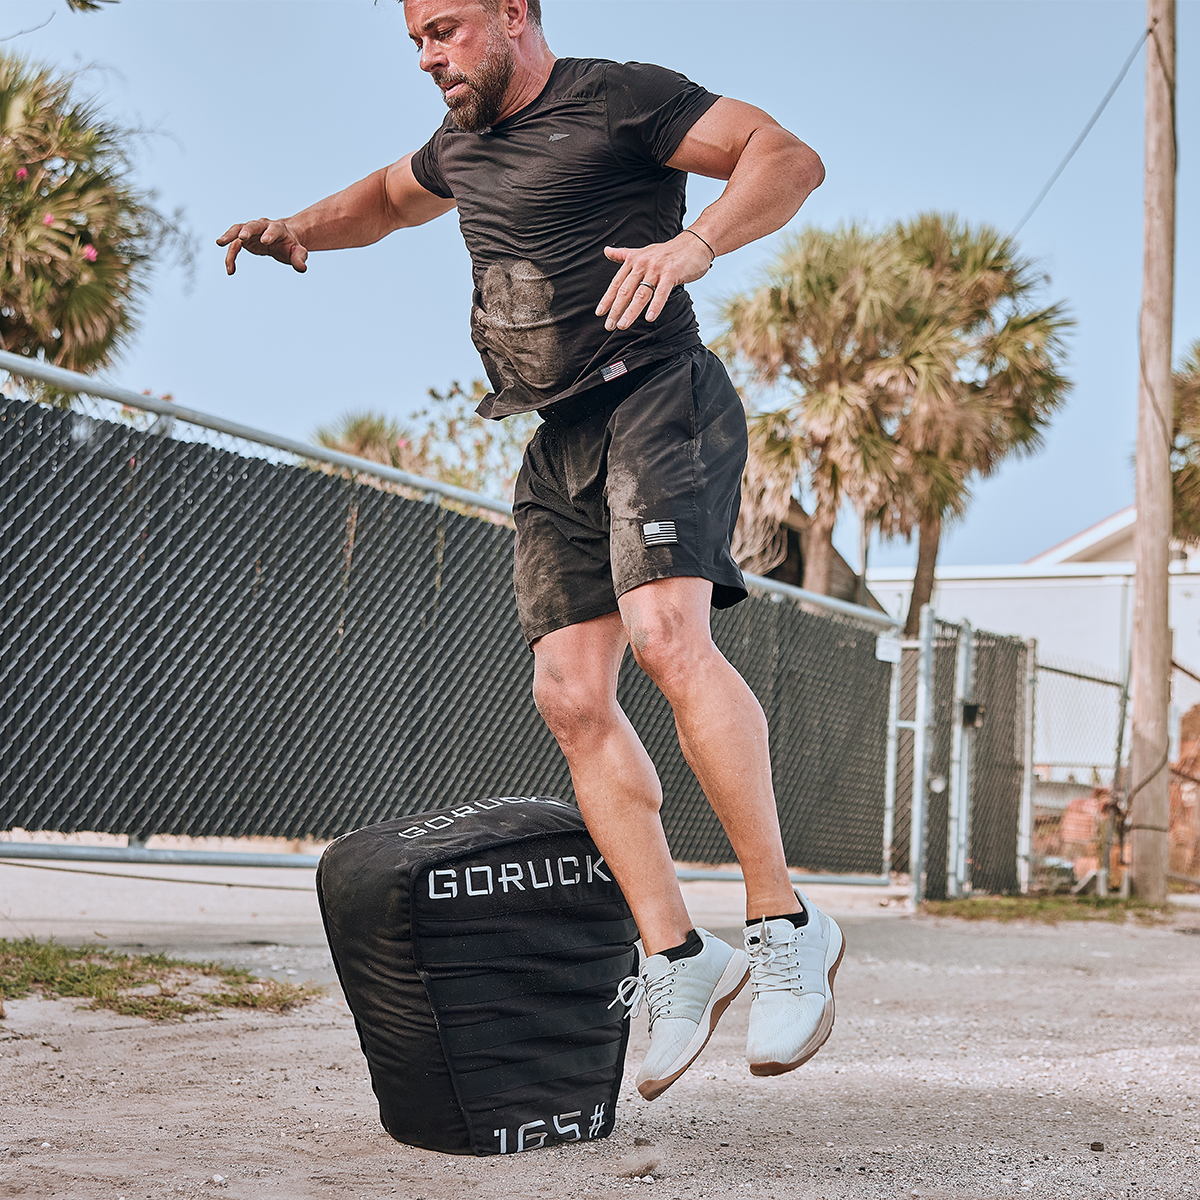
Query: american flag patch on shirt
[[613, 371], [660, 533]]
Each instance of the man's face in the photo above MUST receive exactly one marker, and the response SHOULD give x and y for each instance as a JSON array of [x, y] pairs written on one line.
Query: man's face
[[465, 49]]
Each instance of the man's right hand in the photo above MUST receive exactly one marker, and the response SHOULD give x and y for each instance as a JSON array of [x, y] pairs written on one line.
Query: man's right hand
[[272, 238]]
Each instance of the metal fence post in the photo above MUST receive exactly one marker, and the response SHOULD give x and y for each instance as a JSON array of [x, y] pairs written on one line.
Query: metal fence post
[[1025, 818], [960, 770], [1114, 793], [893, 756], [968, 770], [921, 718]]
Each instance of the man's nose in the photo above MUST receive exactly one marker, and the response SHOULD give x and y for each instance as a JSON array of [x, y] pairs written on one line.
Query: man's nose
[[431, 56]]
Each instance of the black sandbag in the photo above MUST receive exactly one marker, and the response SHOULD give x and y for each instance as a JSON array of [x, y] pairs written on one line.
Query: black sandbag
[[479, 948]]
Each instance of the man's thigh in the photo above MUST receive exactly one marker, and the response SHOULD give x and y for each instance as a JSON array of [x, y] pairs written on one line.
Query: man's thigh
[[578, 665], [561, 570], [674, 474]]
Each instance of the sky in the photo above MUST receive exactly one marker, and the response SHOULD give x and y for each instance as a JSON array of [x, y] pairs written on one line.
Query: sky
[[259, 107]]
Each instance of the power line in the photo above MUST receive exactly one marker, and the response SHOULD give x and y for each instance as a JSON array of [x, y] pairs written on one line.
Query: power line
[[1086, 130]]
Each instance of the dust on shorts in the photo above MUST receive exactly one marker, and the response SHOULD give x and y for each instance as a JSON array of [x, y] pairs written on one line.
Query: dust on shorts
[[636, 480]]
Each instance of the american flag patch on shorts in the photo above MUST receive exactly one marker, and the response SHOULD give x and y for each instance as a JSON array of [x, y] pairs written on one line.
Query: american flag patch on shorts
[[660, 533], [613, 371]]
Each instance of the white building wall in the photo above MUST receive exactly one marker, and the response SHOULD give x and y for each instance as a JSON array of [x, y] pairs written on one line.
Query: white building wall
[[1078, 612]]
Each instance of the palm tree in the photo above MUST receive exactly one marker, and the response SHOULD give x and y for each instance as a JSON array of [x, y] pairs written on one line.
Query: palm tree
[[465, 449], [453, 444], [374, 437], [77, 239], [817, 326], [916, 360], [977, 375], [1185, 449]]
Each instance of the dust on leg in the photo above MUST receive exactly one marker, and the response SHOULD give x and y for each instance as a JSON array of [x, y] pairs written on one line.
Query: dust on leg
[[722, 728], [619, 795]]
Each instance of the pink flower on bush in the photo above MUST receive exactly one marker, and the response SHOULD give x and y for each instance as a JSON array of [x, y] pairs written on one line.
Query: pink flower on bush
[[89, 252], [48, 219], [22, 174]]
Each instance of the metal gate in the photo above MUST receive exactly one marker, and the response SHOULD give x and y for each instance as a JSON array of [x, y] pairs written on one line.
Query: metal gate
[[963, 760]]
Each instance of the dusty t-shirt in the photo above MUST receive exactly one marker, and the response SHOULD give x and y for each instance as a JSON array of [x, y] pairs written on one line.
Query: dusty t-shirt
[[539, 196]]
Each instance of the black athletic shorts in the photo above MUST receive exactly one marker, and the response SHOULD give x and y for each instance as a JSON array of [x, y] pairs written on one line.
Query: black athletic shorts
[[636, 480]]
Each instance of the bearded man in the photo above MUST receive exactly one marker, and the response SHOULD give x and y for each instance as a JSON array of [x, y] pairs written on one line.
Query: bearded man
[[627, 498]]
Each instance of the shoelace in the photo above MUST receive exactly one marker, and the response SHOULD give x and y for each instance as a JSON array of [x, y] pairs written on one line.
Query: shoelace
[[633, 989], [772, 970]]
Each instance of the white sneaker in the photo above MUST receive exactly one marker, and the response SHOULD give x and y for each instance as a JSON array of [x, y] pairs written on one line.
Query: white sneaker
[[791, 982], [686, 999]]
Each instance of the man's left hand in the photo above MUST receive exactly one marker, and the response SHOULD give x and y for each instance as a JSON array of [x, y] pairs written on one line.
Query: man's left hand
[[648, 276]]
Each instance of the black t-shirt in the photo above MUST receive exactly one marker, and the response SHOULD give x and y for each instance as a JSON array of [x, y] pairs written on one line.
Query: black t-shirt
[[539, 196]]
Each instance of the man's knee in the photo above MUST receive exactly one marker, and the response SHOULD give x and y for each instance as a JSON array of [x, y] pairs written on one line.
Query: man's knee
[[574, 708], [669, 650]]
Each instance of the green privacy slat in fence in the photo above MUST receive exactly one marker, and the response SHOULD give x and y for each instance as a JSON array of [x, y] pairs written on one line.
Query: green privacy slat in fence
[[200, 641]]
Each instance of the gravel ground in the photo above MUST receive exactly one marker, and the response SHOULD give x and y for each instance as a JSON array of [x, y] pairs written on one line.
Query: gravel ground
[[969, 1060]]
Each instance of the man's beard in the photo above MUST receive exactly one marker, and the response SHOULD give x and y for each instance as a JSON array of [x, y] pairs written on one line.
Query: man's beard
[[481, 104]]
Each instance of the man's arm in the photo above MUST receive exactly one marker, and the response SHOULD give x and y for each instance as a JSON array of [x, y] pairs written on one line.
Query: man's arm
[[771, 173], [387, 200]]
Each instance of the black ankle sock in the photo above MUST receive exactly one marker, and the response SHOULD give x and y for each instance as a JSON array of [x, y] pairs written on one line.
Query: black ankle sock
[[799, 919], [688, 948]]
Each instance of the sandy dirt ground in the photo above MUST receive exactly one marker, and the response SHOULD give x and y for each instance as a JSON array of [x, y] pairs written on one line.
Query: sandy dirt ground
[[968, 1060]]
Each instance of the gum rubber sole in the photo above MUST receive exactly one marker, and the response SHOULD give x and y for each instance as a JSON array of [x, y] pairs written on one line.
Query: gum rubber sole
[[651, 1089], [824, 1029]]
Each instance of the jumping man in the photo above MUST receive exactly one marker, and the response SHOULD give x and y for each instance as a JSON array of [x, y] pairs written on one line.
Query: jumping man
[[629, 491]]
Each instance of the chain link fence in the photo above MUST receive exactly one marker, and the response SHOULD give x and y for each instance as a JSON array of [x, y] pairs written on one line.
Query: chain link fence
[[1081, 777], [968, 723], [207, 636], [1183, 855], [1080, 750]]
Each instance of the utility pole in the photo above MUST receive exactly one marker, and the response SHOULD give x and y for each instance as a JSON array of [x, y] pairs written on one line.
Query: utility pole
[[1151, 667]]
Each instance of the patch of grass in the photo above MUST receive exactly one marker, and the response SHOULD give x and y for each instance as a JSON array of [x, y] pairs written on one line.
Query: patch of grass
[[269, 995], [1049, 909], [138, 985]]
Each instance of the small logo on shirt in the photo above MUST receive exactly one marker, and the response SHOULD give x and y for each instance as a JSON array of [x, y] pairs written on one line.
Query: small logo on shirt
[[613, 371], [660, 533], [558, 137]]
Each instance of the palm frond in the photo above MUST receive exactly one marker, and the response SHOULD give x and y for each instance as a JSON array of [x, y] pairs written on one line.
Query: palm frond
[[1185, 448], [80, 238], [915, 357], [776, 453]]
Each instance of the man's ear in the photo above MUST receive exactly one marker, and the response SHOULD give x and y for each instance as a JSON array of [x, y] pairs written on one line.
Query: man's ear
[[515, 16]]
